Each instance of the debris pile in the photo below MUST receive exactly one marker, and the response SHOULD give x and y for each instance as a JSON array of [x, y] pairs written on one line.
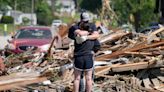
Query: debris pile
[[127, 62]]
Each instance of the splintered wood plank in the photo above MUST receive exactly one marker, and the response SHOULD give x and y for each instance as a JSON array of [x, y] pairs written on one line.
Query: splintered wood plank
[[104, 69], [24, 82], [152, 36], [19, 89], [20, 75], [114, 36], [155, 82], [161, 78], [106, 76], [65, 74], [63, 30], [127, 67], [160, 88], [133, 66], [157, 31], [120, 87], [70, 74], [139, 53], [135, 48], [146, 81], [147, 90]]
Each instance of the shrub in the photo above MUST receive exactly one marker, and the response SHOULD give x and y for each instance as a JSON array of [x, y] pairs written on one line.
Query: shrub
[[7, 19], [25, 20]]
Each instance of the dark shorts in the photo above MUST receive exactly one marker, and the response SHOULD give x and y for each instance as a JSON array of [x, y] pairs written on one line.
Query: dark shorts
[[83, 63]]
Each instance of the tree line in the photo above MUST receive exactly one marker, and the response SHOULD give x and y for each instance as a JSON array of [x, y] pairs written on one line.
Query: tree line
[[40, 7], [137, 12]]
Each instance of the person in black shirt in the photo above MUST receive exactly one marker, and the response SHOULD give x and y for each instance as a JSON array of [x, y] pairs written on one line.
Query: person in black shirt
[[84, 35]]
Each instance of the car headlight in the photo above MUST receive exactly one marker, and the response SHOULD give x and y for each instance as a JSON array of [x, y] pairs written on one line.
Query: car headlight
[[11, 47], [45, 47]]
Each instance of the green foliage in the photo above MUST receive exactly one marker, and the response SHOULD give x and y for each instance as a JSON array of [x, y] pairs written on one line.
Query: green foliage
[[66, 19], [10, 28], [7, 19], [57, 7], [41, 8], [44, 14], [135, 10], [25, 20], [79, 2], [24, 6], [91, 5]]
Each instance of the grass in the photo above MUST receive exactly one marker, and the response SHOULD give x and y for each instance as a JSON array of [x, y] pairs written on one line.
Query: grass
[[69, 19], [10, 29]]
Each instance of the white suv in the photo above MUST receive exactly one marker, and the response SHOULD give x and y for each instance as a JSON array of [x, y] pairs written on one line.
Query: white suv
[[56, 23]]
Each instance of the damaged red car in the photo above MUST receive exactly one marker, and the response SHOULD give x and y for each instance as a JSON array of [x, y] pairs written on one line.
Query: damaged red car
[[31, 37]]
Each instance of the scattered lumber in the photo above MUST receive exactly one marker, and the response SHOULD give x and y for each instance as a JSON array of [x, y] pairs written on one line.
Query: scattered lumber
[[20, 79], [113, 36], [138, 47], [152, 36], [125, 63]]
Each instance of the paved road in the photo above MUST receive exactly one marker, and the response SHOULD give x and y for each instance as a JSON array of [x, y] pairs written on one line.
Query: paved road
[[3, 41]]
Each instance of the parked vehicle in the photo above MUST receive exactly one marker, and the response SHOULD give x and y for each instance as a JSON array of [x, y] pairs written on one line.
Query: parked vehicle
[[152, 27], [31, 37], [56, 23]]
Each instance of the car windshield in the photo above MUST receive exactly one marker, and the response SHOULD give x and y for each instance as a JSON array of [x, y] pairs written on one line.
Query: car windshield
[[33, 34], [57, 21]]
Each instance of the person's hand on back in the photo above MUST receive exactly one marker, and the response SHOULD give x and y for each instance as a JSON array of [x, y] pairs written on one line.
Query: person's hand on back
[[81, 39]]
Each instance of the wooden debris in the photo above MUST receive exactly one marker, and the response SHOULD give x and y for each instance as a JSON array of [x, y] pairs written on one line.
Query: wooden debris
[[152, 36], [12, 81], [113, 36], [2, 66], [125, 63], [138, 47]]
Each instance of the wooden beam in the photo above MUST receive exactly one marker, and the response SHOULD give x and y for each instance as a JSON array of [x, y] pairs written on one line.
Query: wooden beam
[[146, 81], [26, 81], [127, 67], [114, 36], [133, 66], [104, 69], [160, 88], [155, 82], [135, 48], [152, 36], [106, 76], [139, 53]]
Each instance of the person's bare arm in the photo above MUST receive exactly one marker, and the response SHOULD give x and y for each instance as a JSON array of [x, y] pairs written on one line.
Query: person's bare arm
[[94, 35], [81, 32]]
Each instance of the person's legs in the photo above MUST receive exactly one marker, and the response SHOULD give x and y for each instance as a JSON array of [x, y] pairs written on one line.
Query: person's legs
[[88, 76], [81, 85], [79, 64], [77, 75]]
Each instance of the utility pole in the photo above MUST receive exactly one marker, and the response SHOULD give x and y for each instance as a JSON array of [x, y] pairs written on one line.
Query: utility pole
[[15, 8], [53, 5], [32, 11]]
